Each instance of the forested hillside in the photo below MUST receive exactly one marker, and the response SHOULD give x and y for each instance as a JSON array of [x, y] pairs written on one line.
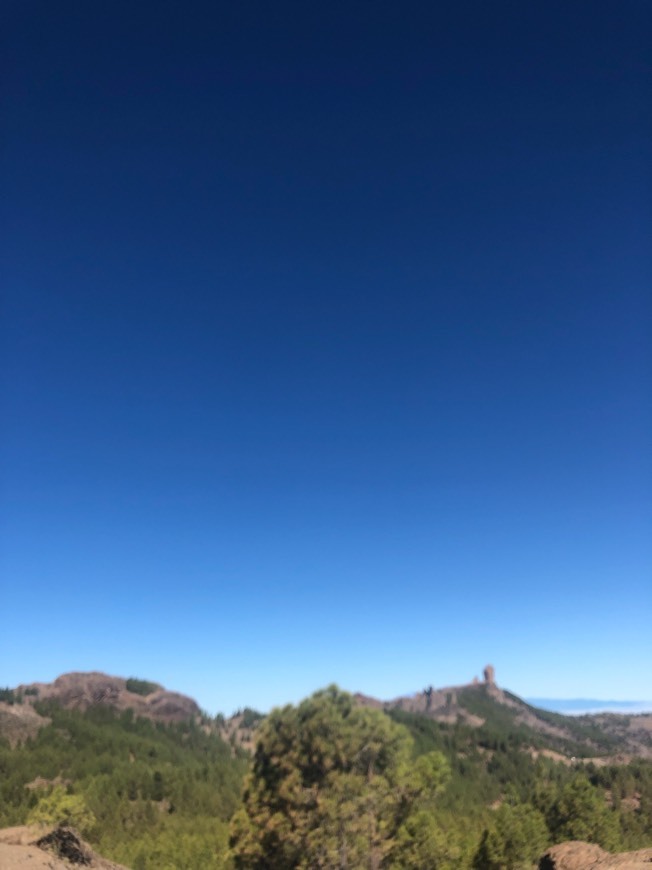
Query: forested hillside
[[149, 795], [329, 783]]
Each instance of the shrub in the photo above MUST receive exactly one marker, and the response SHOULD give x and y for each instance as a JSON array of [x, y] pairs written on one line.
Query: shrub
[[140, 687]]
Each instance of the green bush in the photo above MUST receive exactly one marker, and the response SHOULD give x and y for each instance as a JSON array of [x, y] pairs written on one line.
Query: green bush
[[515, 840], [61, 808], [140, 687]]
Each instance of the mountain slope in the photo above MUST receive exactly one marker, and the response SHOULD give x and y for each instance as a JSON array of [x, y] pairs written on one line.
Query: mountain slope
[[145, 793], [150, 792], [79, 691], [500, 714]]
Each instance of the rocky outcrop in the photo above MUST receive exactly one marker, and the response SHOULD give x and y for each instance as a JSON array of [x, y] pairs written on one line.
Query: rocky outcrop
[[480, 702], [576, 855], [19, 721], [28, 848], [79, 691], [439, 704]]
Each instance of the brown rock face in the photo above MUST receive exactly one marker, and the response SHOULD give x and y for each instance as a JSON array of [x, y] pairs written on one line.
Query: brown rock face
[[79, 691], [576, 855], [489, 675], [18, 722], [28, 848]]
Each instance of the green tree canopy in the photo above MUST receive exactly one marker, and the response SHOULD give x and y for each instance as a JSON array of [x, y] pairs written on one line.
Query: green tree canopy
[[60, 808], [329, 788], [514, 841], [581, 813], [140, 687]]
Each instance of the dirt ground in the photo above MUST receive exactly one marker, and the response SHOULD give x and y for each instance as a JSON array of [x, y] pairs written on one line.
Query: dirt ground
[[587, 856], [19, 851]]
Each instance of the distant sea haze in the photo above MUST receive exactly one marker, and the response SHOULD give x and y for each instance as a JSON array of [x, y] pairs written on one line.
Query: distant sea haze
[[579, 706]]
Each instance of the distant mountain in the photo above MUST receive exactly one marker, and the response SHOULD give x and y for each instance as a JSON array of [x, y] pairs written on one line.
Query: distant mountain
[[81, 691], [578, 706], [500, 715], [491, 713], [160, 778]]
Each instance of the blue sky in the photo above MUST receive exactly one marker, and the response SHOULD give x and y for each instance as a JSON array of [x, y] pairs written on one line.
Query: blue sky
[[326, 346]]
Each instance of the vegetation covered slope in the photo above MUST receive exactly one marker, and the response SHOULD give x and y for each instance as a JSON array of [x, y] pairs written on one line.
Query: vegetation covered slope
[[488, 707], [495, 777], [329, 782], [146, 794]]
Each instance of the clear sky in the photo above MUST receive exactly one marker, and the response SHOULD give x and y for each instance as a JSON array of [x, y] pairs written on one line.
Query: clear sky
[[326, 337]]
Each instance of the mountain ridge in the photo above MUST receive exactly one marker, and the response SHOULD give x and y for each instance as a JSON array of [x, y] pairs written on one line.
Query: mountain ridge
[[484, 704], [23, 710], [176, 785], [480, 705]]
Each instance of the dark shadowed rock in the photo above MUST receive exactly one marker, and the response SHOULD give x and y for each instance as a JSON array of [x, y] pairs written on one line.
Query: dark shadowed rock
[[66, 843]]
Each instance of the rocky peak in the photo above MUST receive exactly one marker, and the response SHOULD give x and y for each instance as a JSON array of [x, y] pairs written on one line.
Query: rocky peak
[[79, 691]]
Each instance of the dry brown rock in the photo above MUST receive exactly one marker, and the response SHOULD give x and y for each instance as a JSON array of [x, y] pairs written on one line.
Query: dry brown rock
[[572, 856], [576, 855], [18, 722], [79, 691], [32, 848]]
